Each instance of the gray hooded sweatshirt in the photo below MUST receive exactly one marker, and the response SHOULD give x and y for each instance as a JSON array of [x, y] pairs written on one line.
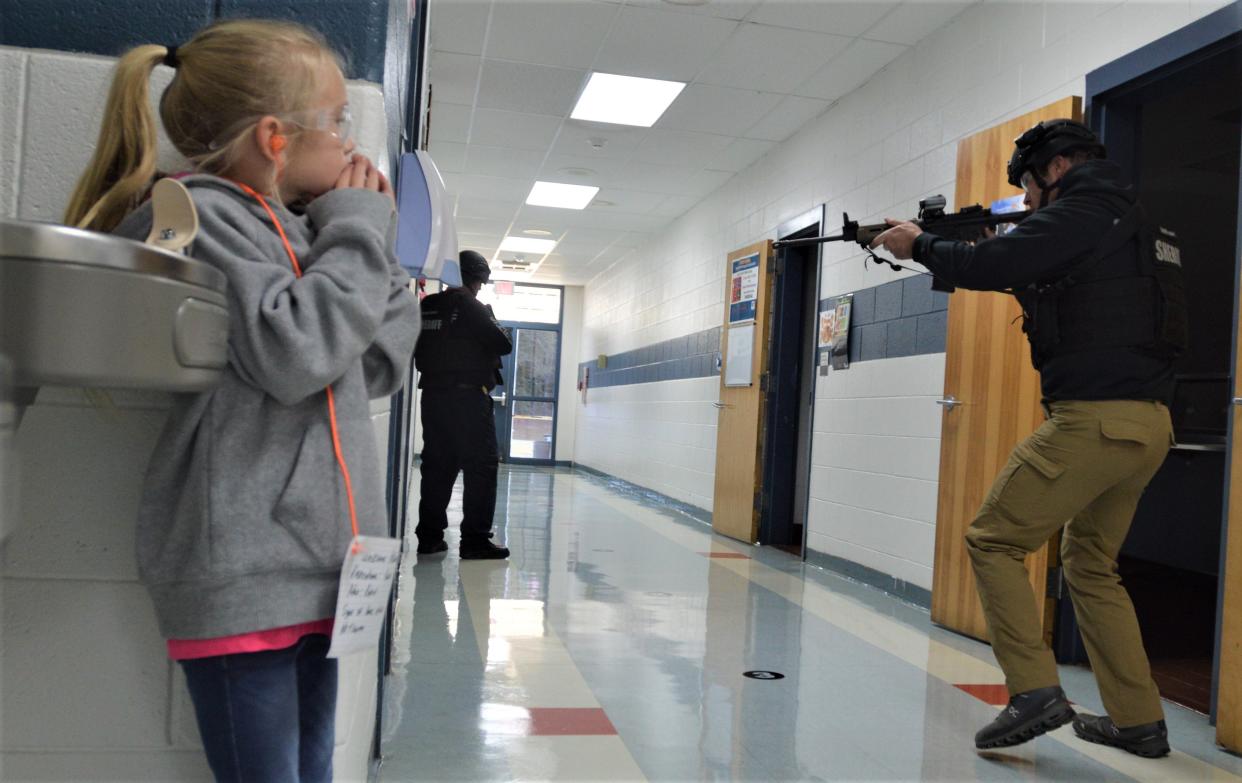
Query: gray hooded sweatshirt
[[244, 521]]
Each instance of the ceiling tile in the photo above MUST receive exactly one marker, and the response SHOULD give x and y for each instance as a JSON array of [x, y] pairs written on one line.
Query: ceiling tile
[[577, 139], [723, 110], [449, 156], [630, 200], [659, 44], [680, 148], [549, 33], [504, 162], [481, 226], [774, 59], [532, 89], [453, 77], [513, 129], [840, 18], [487, 187], [655, 178], [483, 208], [601, 169], [674, 206], [723, 9], [458, 25], [740, 154], [914, 21], [787, 118], [858, 64], [448, 122]]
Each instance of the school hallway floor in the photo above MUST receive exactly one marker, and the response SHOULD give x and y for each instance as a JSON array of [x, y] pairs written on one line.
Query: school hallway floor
[[612, 646]]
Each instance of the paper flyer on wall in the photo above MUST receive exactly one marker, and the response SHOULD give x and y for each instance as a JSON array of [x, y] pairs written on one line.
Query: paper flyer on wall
[[744, 290]]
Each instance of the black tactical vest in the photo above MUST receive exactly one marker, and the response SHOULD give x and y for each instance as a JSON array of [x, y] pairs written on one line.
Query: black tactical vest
[[448, 353], [1088, 310]]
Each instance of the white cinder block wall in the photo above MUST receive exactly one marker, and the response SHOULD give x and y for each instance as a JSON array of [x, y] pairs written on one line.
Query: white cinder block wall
[[88, 692], [874, 153]]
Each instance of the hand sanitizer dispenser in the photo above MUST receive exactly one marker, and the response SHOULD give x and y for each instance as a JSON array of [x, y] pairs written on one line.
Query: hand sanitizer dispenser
[[426, 232]]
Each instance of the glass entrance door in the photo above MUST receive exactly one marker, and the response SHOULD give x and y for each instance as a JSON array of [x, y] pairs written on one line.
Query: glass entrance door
[[526, 404]]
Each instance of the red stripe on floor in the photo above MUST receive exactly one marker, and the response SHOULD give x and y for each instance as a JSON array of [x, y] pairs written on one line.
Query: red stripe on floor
[[564, 721], [988, 694]]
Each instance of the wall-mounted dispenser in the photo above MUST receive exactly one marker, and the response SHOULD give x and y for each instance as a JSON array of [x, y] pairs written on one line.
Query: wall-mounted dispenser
[[426, 232]]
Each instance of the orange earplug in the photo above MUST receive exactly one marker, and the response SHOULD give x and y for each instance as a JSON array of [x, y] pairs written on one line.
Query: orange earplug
[[279, 142]]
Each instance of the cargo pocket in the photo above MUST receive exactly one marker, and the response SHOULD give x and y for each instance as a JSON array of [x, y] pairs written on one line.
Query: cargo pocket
[[1124, 431], [311, 505], [1024, 482]]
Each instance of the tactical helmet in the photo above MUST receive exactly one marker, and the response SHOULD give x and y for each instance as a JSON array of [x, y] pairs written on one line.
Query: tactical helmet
[[1034, 149], [474, 267]]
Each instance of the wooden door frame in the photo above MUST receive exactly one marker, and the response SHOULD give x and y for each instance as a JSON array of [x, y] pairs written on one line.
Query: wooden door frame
[[1191, 45]]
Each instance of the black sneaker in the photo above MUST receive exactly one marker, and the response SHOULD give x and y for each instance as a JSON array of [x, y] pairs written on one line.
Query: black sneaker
[[1150, 740], [432, 547], [483, 550], [1028, 715]]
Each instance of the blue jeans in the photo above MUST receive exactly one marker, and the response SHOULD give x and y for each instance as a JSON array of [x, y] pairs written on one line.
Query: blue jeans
[[267, 716]]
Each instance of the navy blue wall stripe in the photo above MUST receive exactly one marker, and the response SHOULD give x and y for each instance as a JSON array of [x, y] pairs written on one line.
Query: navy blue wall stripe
[[357, 29], [902, 318]]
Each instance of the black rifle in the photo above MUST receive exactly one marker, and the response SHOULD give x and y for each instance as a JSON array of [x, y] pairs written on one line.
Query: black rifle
[[967, 225]]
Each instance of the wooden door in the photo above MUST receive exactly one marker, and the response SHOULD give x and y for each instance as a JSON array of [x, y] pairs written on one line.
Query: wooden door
[[739, 423], [988, 370], [1229, 678]]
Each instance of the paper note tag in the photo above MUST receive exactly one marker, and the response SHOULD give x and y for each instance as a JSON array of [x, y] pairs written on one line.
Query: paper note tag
[[362, 600]]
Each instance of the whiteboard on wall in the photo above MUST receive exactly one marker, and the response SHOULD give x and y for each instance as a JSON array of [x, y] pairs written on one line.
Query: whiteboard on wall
[[739, 364]]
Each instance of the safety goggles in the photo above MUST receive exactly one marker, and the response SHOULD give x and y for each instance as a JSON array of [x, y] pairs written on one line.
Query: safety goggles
[[338, 124]]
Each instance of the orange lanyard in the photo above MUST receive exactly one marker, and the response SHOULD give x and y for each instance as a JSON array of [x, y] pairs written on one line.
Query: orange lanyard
[[336, 437]]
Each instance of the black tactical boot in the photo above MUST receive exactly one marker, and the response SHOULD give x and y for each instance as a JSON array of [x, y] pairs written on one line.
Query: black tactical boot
[[1150, 740], [1028, 715], [432, 547], [482, 549]]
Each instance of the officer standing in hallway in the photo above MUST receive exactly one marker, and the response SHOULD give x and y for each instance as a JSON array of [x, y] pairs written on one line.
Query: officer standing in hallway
[[1104, 312], [458, 357]]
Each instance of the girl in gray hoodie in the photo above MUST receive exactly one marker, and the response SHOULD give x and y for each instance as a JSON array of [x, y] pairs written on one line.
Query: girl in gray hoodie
[[245, 517]]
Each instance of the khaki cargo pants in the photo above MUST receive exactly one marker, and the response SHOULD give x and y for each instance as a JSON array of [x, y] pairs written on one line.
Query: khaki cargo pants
[[1084, 469]]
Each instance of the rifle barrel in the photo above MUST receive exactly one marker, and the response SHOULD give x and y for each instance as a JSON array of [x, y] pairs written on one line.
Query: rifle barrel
[[809, 241]]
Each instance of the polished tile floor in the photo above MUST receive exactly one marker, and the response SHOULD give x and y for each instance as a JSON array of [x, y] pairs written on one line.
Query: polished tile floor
[[613, 646]]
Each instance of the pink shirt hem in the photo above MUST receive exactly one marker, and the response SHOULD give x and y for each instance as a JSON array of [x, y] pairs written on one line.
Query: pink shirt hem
[[257, 641]]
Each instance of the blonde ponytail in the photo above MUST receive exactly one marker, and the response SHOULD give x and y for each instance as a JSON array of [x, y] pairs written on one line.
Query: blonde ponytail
[[229, 76], [121, 170]]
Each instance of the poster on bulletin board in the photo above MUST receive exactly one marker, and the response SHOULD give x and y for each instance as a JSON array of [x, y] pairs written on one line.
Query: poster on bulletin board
[[744, 290]]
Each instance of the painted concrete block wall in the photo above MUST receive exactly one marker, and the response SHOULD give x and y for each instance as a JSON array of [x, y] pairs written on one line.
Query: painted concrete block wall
[[88, 692], [874, 153]]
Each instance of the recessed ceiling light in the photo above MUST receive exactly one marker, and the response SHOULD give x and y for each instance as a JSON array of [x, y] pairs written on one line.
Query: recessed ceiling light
[[576, 171], [527, 245], [558, 194], [537, 232], [625, 100]]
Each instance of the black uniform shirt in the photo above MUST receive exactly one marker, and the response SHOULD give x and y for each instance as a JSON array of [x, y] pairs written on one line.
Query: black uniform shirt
[[1043, 249], [460, 344]]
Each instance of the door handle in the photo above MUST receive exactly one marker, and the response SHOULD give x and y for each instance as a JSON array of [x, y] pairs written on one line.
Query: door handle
[[721, 405], [949, 402], [501, 399], [1237, 400]]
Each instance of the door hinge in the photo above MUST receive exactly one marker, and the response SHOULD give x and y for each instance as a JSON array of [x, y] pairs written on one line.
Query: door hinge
[[761, 501], [763, 381], [1056, 584]]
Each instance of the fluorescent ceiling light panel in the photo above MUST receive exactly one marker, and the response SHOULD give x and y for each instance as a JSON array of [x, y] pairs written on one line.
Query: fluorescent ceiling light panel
[[557, 194], [527, 245], [625, 100]]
